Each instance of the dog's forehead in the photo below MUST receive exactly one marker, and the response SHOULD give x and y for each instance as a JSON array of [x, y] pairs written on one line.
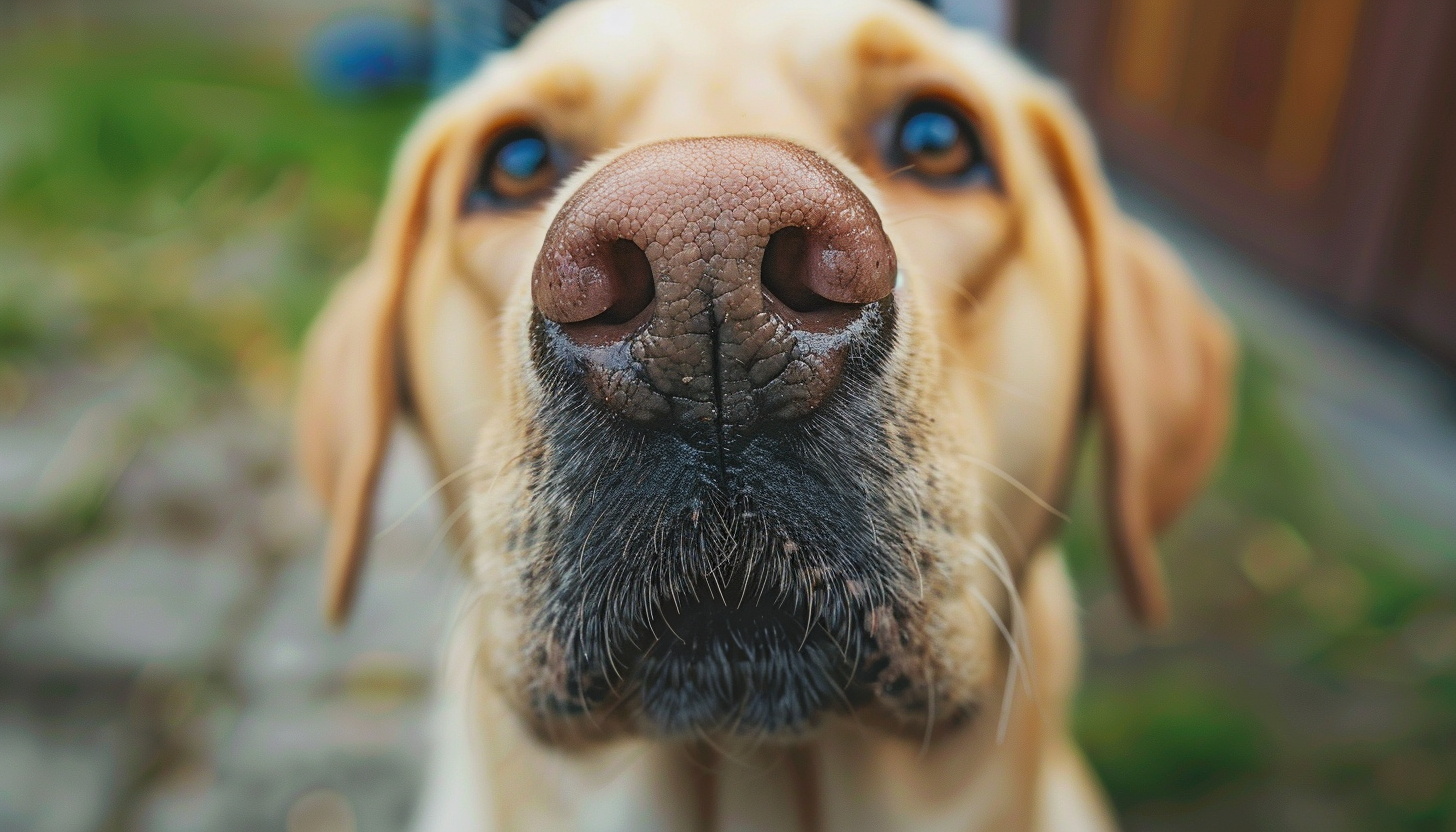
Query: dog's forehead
[[710, 28], [725, 67]]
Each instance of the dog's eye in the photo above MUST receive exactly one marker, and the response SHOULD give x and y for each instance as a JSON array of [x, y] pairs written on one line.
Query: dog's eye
[[518, 167], [935, 140]]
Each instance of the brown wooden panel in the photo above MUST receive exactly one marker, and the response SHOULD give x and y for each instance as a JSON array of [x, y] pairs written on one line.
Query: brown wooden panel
[[1426, 305], [1315, 82], [1266, 78], [1293, 132], [1213, 28], [1436, 268], [1148, 41], [1251, 73], [1377, 165]]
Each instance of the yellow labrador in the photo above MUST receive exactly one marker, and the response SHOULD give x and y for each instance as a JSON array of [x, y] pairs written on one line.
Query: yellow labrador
[[752, 341]]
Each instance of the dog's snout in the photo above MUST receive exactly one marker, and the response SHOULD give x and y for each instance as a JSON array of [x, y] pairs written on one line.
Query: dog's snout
[[719, 279]]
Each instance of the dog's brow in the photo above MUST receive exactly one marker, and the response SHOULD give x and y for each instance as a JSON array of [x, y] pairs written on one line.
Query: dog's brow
[[568, 86], [881, 42]]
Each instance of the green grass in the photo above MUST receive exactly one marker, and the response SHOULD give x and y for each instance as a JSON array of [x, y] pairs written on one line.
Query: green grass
[[142, 164], [182, 206], [1178, 738], [1306, 660]]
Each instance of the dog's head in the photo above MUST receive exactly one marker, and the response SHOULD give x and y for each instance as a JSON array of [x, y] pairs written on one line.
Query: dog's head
[[771, 399]]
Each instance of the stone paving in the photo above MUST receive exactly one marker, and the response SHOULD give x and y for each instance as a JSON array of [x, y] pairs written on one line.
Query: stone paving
[[166, 667]]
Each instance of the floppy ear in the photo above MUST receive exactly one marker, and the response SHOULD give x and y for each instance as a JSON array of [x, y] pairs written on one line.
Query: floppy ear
[[349, 388], [1161, 364]]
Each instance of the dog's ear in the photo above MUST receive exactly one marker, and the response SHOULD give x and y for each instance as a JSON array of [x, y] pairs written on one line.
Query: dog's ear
[[350, 386], [1161, 360]]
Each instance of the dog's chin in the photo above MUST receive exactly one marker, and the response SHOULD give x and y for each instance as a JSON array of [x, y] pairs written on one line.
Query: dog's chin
[[745, 658], [744, 666], [751, 670]]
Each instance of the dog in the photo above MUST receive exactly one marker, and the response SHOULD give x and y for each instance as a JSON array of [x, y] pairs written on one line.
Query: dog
[[753, 343]]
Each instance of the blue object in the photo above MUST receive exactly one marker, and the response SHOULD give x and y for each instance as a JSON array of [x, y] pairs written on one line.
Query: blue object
[[468, 30], [363, 55], [994, 17]]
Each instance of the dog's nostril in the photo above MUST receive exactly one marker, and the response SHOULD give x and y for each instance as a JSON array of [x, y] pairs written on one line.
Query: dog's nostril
[[786, 270], [593, 289], [827, 274], [632, 281]]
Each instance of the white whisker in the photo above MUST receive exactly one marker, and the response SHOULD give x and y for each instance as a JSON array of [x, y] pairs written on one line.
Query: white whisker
[[989, 553], [1002, 385], [445, 528], [929, 708], [1011, 671], [1017, 484], [467, 468]]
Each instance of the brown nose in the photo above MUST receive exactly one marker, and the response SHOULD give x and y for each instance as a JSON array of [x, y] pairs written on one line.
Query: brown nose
[[721, 279]]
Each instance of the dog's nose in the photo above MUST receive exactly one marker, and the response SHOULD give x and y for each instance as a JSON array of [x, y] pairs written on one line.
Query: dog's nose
[[721, 279]]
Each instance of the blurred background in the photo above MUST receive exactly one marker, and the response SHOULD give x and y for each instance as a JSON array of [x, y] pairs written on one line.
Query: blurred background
[[181, 181]]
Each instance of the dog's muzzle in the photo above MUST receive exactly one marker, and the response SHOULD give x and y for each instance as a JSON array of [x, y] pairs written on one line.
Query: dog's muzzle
[[712, 320]]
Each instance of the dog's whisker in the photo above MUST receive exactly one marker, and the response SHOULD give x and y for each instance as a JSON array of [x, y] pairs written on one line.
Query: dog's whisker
[[1019, 640], [473, 667], [915, 217], [988, 552], [1018, 485], [929, 708], [914, 557], [809, 617], [477, 404], [1013, 660], [1018, 643], [1002, 385], [1008, 702], [957, 284], [999, 515], [892, 174], [446, 527], [705, 738], [838, 645], [667, 622], [472, 467], [440, 485], [998, 564]]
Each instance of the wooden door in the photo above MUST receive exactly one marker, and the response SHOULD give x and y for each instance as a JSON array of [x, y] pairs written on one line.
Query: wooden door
[[1424, 302], [1302, 130]]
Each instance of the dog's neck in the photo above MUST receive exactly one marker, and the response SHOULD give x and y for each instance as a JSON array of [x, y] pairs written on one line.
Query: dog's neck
[[848, 777]]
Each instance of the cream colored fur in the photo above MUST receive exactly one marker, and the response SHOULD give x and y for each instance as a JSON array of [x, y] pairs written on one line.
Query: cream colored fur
[[1020, 302]]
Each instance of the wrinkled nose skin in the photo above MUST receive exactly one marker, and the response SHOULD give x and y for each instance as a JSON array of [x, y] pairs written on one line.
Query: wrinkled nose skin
[[713, 285]]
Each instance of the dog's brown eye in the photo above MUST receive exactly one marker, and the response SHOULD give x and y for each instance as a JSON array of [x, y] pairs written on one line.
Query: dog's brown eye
[[518, 167], [934, 140]]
